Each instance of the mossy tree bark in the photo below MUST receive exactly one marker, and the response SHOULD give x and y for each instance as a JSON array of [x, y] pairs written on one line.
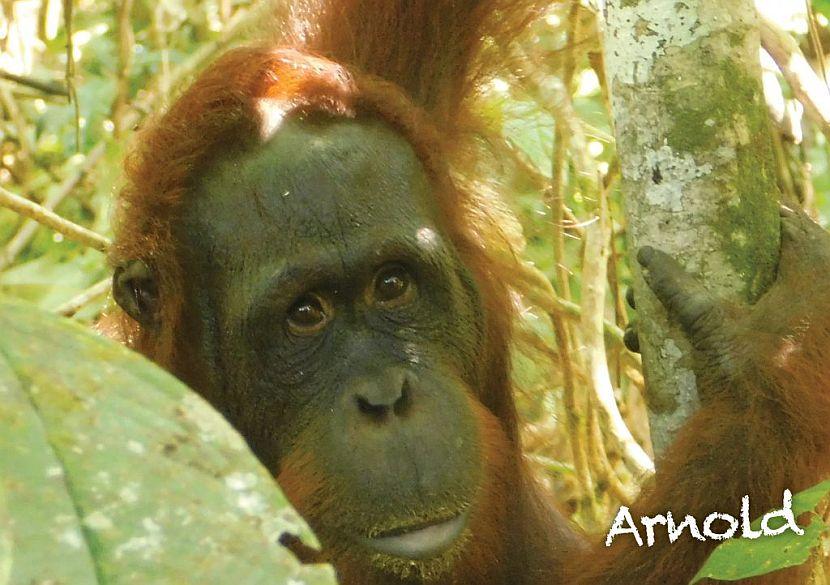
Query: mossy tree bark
[[698, 166]]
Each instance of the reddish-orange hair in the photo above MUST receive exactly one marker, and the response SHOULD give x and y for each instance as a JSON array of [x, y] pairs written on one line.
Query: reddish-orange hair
[[413, 63]]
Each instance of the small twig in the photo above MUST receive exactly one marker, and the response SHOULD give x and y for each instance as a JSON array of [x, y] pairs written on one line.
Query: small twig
[[567, 129], [159, 35], [550, 465], [631, 362], [13, 108], [805, 180], [815, 39], [47, 87], [576, 422], [597, 61], [805, 84], [528, 169], [569, 65], [596, 454], [54, 221], [70, 71], [126, 41], [556, 201], [594, 278], [603, 467], [575, 401], [224, 11], [635, 375], [558, 102], [620, 315], [532, 283], [27, 231], [42, 18], [782, 168], [78, 302]]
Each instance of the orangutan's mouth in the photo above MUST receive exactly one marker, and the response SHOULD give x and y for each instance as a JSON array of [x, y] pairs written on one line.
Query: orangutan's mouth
[[421, 541]]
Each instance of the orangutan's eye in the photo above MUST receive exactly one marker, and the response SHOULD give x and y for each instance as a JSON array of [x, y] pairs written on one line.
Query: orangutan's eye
[[309, 314], [393, 286]]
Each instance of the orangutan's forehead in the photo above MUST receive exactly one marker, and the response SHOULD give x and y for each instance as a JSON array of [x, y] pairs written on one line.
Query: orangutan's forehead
[[313, 181]]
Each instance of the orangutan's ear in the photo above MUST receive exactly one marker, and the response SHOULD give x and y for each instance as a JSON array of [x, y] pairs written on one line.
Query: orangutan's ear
[[135, 290]]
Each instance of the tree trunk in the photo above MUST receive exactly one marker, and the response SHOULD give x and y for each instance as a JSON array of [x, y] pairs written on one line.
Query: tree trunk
[[698, 166]]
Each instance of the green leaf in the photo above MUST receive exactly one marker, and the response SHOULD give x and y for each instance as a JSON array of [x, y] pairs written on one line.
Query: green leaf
[[822, 6], [531, 129], [742, 558], [114, 472], [809, 499]]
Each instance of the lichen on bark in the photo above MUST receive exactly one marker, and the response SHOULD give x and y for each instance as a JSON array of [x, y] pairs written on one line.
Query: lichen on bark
[[698, 166]]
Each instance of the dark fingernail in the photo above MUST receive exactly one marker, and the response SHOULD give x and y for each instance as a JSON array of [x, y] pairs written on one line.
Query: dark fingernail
[[631, 340], [629, 297], [645, 255]]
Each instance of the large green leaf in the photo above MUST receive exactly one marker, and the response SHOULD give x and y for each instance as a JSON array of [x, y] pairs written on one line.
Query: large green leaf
[[742, 558], [111, 471]]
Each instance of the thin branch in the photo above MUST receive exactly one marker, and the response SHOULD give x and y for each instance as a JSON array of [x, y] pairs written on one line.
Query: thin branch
[[532, 283], [631, 362], [550, 465], [126, 42], [602, 466], [27, 231], [594, 279], [567, 127], [805, 181], [159, 35], [12, 107], [815, 39], [782, 166], [805, 84], [93, 293], [575, 421], [47, 87], [54, 221], [528, 169], [537, 289], [597, 61], [556, 100], [224, 10], [620, 316], [556, 201], [70, 70], [596, 453]]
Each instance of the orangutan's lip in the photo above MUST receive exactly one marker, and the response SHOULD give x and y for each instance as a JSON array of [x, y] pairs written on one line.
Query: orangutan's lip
[[421, 542]]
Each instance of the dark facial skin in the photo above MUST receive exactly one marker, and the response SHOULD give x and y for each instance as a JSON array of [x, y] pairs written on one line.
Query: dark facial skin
[[328, 316]]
